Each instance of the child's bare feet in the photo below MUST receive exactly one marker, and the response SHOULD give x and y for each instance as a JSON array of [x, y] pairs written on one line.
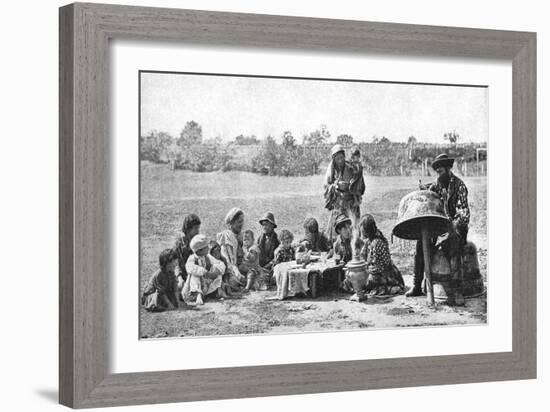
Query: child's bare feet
[[199, 299]]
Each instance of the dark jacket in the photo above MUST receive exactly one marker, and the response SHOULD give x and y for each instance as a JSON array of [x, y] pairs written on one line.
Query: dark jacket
[[455, 200], [267, 245]]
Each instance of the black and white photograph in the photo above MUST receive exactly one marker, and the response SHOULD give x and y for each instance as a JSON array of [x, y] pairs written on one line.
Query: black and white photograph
[[288, 205]]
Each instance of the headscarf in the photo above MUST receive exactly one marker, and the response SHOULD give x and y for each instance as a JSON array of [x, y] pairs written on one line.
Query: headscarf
[[198, 242], [233, 214]]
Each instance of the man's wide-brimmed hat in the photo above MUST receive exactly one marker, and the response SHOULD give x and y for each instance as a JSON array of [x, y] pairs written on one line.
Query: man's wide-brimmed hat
[[337, 148], [198, 242], [341, 220], [269, 218], [442, 161]]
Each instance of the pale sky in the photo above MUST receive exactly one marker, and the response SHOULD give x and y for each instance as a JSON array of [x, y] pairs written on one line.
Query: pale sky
[[228, 106]]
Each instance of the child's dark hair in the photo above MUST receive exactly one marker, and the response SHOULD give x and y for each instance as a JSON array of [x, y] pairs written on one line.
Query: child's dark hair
[[248, 232], [213, 245], [189, 222], [311, 225], [355, 151], [166, 256], [286, 234]]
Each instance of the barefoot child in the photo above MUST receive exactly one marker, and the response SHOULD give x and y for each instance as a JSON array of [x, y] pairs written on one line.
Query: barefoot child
[[204, 274], [161, 292], [216, 253], [256, 276]]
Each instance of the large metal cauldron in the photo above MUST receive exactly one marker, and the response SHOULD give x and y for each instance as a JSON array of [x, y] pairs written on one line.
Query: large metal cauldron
[[445, 273], [418, 210]]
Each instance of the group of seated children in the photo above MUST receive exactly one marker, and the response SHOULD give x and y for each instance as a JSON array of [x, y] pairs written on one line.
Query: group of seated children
[[197, 267]]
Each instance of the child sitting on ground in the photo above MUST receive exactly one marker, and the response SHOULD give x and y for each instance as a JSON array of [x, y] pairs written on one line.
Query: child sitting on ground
[[256, 276], [268, 241], [161, 292], [204, 274], [342, 246], [285, 252], [287, 284], [317, 241], [216, 253]]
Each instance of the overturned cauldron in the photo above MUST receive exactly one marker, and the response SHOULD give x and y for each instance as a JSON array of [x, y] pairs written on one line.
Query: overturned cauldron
[[421, 210], [444, 274]]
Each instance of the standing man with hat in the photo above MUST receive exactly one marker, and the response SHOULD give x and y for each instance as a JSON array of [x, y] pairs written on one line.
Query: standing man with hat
[[454, 194], [340, 197]]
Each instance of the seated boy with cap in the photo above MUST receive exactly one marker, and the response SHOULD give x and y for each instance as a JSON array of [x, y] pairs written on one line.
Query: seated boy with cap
[[204, 274], [268, 241]]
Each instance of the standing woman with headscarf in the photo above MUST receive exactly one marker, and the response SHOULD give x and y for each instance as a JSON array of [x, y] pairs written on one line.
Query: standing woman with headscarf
[[231, 245], [384, 278], [340, 197]]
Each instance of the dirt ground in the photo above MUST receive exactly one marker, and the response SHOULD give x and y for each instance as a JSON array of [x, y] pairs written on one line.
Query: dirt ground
[[167, 196], [333, 311]]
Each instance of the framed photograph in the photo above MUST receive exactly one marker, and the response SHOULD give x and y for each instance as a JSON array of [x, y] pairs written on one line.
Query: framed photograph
[[258, 205]]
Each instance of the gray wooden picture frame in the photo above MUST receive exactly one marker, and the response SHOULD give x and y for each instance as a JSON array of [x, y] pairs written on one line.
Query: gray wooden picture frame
[[85, 31]]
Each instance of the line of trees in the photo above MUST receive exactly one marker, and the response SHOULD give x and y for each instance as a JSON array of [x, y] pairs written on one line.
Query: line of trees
[[290, 157]]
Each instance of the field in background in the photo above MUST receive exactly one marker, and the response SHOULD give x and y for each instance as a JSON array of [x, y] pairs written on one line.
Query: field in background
[[167, 195]]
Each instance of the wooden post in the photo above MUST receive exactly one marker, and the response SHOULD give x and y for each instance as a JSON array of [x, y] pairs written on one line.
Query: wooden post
[[427, 265]]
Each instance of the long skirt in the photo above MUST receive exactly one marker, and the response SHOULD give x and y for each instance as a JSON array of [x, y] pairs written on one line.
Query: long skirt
[[387, 282]]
